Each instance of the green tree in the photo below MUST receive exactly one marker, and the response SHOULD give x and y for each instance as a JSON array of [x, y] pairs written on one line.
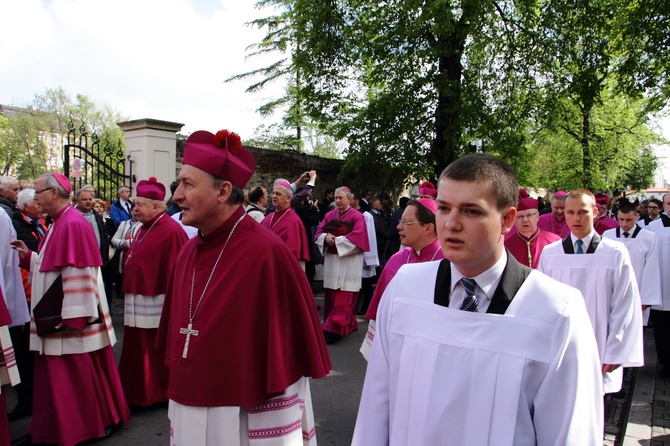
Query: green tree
[[620, 140], [412, 85], [26, 139], [9, 151]]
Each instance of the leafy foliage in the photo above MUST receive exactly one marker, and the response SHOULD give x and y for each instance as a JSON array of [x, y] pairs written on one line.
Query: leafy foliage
[[411, 85], [31, 141]]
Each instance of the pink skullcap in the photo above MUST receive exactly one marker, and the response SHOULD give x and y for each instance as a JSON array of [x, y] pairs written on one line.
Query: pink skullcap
[[221, 155], [522, 193], [284, 183], [560, 193], [428, 203], [63, 181], [151, 189], [345, 188], [526, 203], [427, 188]]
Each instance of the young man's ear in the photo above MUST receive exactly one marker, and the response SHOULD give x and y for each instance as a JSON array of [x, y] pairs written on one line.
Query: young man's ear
[[508, 218]]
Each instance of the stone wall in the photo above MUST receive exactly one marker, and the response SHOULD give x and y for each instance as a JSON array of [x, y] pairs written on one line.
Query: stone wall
[[273, 164]]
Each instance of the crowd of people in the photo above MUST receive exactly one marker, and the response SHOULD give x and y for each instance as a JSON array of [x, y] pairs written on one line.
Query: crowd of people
[[510, 318]]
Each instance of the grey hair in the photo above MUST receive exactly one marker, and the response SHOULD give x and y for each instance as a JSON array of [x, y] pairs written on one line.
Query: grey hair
[[288, 190], [118, 191], [6, 181], [52, 183], [24, 197], [83, 189], [346, 191]]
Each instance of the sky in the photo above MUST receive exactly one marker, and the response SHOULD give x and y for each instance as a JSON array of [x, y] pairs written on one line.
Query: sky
[[159, 59]]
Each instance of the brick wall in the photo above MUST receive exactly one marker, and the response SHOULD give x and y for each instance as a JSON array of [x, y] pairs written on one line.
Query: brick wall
[[273, 164]]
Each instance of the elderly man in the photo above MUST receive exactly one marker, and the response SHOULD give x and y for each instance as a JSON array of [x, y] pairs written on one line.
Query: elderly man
[[527, 243], [84, 199], [151, 258], [555, 220], [9, 189], [77, 391], [284, 222], [342, 238], [120, 209], [474, 350], [601, 269], [239, 350], [660, 315]]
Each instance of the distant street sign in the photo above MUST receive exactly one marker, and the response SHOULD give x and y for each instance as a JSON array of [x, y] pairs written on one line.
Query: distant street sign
[[76, 167]]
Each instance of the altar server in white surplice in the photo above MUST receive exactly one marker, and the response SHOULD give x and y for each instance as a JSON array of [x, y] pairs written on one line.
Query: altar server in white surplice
[[478, 349], [660, 315], [642, 246], [601, 269]]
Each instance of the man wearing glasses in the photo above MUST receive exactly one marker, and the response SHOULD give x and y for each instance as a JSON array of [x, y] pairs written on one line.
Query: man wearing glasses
[[527, 243], [654, 209]]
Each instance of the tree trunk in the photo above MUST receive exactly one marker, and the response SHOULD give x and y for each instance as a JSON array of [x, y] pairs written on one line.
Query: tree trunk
[[447, 145]]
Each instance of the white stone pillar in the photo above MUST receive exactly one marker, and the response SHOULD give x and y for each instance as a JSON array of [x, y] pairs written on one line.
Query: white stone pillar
[[152, 145]]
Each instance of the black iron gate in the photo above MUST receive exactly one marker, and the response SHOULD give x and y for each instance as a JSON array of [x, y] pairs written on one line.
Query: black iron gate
[[102, 165]]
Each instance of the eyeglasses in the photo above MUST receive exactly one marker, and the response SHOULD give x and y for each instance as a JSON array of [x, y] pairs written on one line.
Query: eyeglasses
[[408, 223], [37, 192], [653, 207], [527, 216]]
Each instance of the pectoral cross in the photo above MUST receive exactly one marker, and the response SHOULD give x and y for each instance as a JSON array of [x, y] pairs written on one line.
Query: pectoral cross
[[188, 332]]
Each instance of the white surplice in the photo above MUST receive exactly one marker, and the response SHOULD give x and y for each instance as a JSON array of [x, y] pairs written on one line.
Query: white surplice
[[663, 235], [10, 274], [443, 376], [607, 282], [341, 271], [643, 251]]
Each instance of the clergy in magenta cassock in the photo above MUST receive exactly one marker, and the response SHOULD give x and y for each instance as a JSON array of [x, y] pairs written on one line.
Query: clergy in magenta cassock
[[418, 235], [150, 260], [527, 243], [603, 221], [555, 220], [284, 222], [9, 373], [342, 238], [239, 325], [77, 390], [478, 349], [601, 269]]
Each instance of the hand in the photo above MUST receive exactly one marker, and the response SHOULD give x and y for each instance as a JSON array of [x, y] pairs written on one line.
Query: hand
[[20, 247], [312, 176], [610, 367], [303, 177], [330, 240]]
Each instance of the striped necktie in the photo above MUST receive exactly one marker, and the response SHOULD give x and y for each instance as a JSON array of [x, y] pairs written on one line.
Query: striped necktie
[[470, 301]]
